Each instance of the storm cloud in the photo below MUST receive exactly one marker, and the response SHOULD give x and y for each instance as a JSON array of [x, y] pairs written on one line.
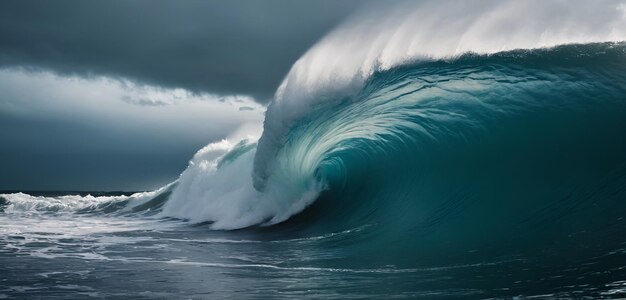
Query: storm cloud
[[223, 47], [71, 133]]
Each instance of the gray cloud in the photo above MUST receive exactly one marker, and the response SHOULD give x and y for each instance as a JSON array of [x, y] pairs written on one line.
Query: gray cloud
[[224, 47], [144, 101], [71, 133]]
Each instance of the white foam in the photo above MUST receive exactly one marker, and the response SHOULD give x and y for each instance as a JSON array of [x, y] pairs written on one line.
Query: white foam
[[219, 191], [21, 202]]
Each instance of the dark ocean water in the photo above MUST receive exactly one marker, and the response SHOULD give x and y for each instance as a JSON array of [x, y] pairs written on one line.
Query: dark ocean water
[[499, 176]]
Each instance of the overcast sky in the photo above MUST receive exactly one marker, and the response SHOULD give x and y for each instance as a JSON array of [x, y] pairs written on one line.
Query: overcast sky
[[118, 95]]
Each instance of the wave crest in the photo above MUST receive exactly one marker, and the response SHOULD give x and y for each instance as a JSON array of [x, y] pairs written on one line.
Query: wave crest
[[382, 38]]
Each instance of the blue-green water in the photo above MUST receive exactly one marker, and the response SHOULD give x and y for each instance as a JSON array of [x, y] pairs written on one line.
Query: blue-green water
[[485, 176]]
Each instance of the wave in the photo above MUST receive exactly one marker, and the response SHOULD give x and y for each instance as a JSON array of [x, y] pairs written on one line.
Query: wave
[[513, 150]]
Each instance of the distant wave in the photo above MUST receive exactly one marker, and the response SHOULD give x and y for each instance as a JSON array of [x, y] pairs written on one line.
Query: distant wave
[[87, 204]]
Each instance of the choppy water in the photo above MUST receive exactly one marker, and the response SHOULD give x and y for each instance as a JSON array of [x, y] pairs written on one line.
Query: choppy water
[[70, 256]]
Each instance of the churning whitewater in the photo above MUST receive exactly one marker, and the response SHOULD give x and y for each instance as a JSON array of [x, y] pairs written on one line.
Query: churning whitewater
[[437, 140]]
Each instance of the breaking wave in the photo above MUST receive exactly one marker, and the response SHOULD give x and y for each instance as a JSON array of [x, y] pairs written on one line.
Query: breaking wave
[[424, 118]]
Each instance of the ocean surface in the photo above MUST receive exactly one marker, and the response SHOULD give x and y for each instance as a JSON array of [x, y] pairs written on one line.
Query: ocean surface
[[495, 176]]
